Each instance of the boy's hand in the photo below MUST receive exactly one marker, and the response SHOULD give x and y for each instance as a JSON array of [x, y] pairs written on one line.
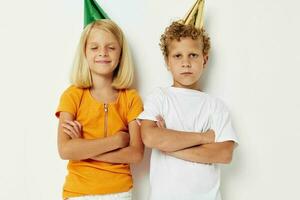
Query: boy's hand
[[160, 122], [72, 128], [209, 136]]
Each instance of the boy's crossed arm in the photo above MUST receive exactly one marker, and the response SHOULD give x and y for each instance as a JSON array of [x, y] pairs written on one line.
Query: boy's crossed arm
[[168, 140], [219, 152], [189, 146]]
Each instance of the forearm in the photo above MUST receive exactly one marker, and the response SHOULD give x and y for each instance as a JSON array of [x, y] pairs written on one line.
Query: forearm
[[207, 153], [171, 140], [80, 149], [128, 154]]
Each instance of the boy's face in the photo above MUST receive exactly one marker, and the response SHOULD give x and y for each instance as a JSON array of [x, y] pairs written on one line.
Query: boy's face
[[186, 62]]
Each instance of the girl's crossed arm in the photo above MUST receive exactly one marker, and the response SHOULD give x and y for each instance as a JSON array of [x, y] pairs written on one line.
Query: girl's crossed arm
[[79, 149], [130, 154]]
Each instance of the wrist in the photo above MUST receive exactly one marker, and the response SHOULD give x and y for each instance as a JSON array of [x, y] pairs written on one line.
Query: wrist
[[117, 141], [207, 137]]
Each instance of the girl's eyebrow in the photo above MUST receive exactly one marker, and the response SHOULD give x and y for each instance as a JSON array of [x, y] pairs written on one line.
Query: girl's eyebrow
[[107, 44]]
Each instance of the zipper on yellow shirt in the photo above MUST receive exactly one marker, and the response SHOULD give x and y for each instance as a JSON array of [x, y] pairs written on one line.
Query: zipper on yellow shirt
[[105, 119]]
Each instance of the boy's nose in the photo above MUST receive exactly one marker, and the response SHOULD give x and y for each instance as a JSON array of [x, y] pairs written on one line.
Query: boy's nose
[[186, 63], [186, 66]]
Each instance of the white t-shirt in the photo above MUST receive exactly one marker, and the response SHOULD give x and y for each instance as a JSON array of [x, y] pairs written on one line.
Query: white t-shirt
[[192, 111]]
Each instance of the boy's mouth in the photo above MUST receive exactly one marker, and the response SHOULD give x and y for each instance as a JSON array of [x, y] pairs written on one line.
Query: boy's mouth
[[186, 73]]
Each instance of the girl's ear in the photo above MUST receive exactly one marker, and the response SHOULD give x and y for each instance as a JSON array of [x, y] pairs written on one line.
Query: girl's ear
[[205, 59]]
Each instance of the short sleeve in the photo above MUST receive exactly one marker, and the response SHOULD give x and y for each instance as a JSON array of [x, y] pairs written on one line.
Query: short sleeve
[[221, 123], [152, 106], [69, 101], [135, 106]]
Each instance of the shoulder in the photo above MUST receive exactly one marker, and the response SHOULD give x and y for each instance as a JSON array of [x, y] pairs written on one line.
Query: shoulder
[[73, 92], [131, 92], [217, 104], [130, 96], [158, 93]]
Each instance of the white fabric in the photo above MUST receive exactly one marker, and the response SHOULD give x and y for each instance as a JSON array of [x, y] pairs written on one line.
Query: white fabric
[[186, 110], [116, 196]]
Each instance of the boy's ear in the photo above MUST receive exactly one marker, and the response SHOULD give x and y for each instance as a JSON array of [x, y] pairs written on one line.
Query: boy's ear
[[166, 61], [205, 59]]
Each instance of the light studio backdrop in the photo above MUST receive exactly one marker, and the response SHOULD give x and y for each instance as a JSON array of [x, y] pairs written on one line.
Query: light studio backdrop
[[254, 67]]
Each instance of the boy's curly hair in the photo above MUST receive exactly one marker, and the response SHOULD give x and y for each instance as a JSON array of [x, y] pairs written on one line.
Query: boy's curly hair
[[178, 30]]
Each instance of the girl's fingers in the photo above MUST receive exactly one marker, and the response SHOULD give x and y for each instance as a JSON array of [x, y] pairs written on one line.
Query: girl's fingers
[[76, 126], [79, 126], [69, 133], [72, 123], [71, 130]]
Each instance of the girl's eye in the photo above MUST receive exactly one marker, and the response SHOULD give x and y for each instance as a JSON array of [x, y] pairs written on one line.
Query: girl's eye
[[194, 55], [112, 48], [94, 48]]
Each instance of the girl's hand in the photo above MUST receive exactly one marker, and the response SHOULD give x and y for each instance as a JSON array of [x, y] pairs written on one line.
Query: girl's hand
[[124, 138], [72, 128], [160, 122]]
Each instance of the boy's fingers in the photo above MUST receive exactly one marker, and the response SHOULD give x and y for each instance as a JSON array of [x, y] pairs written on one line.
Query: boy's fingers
[[159, 118], [158, 124], [160, 121], [138, 122]]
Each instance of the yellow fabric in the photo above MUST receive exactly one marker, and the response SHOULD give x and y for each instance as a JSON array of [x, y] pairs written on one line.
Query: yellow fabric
[[93, 177]]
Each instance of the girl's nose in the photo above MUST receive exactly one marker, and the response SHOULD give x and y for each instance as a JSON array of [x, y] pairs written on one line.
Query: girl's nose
[[102, 52]]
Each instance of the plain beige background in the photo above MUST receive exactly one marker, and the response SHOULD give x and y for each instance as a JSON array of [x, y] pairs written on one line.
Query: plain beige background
[[254, 67]]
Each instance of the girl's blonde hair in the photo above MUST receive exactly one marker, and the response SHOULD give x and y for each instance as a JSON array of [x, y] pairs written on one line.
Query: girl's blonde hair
[[123, 74]]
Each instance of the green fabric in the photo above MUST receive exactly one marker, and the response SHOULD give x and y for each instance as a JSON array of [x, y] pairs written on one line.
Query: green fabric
[[92, 12]]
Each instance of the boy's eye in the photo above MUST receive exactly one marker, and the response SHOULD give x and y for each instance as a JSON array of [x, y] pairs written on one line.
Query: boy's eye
[[177, 56], [194, 55]]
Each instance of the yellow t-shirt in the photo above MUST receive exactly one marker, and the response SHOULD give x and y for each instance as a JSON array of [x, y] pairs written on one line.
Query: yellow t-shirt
[[88, 177]]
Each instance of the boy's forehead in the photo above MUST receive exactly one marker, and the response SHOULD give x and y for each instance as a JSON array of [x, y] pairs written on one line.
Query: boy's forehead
[[185, 42]]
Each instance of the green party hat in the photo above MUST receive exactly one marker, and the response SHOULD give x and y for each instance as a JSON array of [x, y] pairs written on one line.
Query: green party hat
[[93, 12]]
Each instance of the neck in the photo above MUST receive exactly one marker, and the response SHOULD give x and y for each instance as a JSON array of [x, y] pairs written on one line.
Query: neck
[[195, 86], [102, 89], [101, 83]]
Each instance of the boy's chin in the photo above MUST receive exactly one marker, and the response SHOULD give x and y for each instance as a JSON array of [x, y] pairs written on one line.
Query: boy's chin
[[188, 85]]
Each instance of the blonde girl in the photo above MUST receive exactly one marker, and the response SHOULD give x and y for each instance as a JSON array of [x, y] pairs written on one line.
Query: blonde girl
[[97, 131]]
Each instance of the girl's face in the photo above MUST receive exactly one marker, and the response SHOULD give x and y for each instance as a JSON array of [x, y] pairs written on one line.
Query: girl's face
[[102, 52], [186, 62]]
